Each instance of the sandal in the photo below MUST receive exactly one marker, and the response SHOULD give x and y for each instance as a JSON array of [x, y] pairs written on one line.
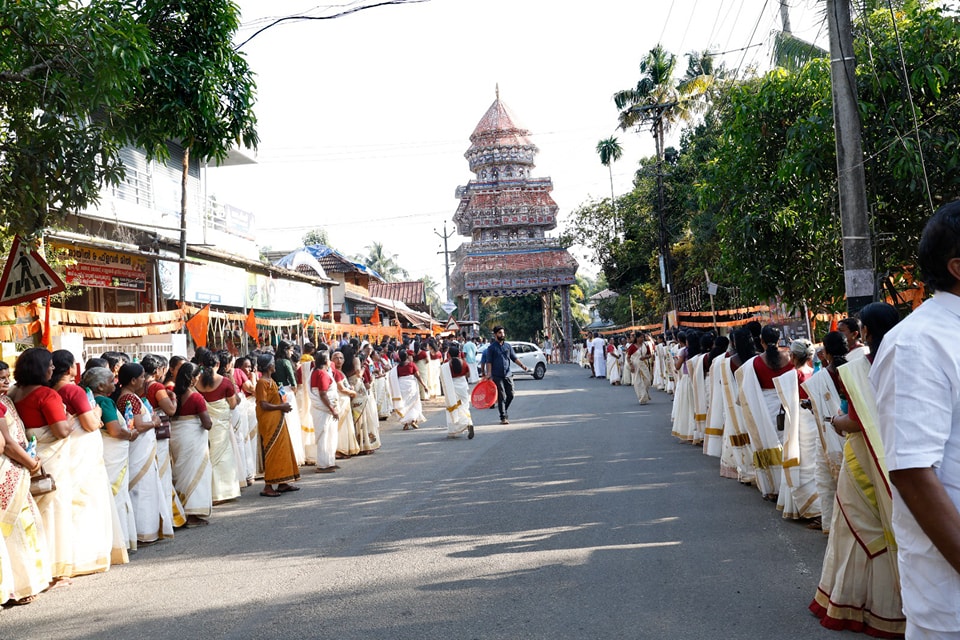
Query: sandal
[[23, 601], [287, 488], [270, 494]]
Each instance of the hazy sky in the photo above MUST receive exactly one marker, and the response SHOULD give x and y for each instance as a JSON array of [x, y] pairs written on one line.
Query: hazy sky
[[364, 119]]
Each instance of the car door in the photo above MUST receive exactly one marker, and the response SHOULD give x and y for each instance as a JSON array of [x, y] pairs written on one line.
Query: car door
[[521, 351]]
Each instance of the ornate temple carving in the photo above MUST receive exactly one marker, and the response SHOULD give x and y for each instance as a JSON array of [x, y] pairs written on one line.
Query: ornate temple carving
[[506, 214]]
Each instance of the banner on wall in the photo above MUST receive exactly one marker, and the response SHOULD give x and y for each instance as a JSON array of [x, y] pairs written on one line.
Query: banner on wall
[[103, 268]]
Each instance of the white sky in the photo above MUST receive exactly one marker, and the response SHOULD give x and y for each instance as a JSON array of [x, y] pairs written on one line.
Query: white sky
[[364, 119]]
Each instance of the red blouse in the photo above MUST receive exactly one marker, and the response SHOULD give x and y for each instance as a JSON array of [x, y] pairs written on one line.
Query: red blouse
[[224, 390], [75, 399], [407, 369], [41, 407], [464, 368], [194, 405], [766, 375], [802, 376], [421, 355], [321, 379], [338, 375], [152, 391]]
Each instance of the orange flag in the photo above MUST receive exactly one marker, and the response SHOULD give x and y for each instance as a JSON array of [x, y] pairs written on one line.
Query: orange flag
[[358, 320], [375, 318], [197, 326], [46, 339], [250, 326], [309, 321]]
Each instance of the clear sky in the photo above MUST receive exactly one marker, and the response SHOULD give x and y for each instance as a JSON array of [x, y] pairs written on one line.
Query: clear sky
[[364, 119]]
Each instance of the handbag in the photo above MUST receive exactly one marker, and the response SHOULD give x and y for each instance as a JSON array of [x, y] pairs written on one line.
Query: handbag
[[781, 419], [42, 484], [163, 430]]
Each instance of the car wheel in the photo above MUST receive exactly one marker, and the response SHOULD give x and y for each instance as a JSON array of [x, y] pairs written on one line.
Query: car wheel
[[539, 371]]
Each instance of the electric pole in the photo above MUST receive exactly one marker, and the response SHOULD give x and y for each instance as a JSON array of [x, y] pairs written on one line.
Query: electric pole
[[655, 112], [858, 271], [446, 257]]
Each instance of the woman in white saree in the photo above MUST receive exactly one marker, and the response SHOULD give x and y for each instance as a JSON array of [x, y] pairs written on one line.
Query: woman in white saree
[[151, 508], [436, 359], [245, 381], [614, 362], [801, 438], [761, 404], [189, 448], [381, 387], [220, 396], [405, 386], [97, 539], [364, 408], [307, 429], [713, 428], [42, 412], [116, 451], [859, 587], [324, 403], [164, 404], [825, 402], [639, 364], [27, 572], [682, 412], [456, 394]]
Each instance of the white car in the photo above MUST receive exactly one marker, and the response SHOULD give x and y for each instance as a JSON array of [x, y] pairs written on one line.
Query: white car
[[527, 353]]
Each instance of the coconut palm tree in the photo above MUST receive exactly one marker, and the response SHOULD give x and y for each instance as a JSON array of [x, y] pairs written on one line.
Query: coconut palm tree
[[610, 151], [430, 287], [384, 263]]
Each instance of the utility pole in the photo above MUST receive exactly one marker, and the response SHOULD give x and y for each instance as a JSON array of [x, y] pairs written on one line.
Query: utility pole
[[858, 271], [446, 257], [655, 113]]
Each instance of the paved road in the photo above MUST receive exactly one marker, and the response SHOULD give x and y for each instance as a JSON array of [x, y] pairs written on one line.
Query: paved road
[[583, 518]]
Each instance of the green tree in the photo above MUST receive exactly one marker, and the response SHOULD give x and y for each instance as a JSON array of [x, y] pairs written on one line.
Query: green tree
[[610, 151], [430, 287], [383, 262], [316, 236], [197, 90], [60, 64]]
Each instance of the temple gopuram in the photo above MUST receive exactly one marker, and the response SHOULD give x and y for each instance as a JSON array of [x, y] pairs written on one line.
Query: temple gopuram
[[506, 213]]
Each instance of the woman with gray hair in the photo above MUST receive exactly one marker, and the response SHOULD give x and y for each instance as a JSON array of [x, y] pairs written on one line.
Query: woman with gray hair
[[800, 440], [116, 449]]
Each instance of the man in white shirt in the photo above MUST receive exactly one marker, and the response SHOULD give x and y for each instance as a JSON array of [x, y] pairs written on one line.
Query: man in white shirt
[[598, 354], [916, 375]]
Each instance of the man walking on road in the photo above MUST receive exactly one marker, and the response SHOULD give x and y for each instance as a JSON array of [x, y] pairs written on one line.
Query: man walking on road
[[496, 366]]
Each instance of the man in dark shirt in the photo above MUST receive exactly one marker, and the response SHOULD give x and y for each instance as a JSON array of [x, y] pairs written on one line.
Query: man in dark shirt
[[496, 366]]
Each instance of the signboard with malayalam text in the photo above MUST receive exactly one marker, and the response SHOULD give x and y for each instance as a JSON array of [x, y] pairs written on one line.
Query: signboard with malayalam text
[[103, 268]]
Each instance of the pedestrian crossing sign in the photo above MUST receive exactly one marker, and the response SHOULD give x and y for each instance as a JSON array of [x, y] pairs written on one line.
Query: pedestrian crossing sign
[[27, 276]]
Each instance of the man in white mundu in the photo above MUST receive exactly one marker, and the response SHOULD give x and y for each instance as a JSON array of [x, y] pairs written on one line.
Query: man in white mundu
[[599, 355]]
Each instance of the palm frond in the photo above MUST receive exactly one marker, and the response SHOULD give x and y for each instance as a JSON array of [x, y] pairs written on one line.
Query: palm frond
[[791, 52]]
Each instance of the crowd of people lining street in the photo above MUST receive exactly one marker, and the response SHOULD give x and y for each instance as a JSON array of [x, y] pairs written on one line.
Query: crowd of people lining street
[[857, 437], [138, 450]]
